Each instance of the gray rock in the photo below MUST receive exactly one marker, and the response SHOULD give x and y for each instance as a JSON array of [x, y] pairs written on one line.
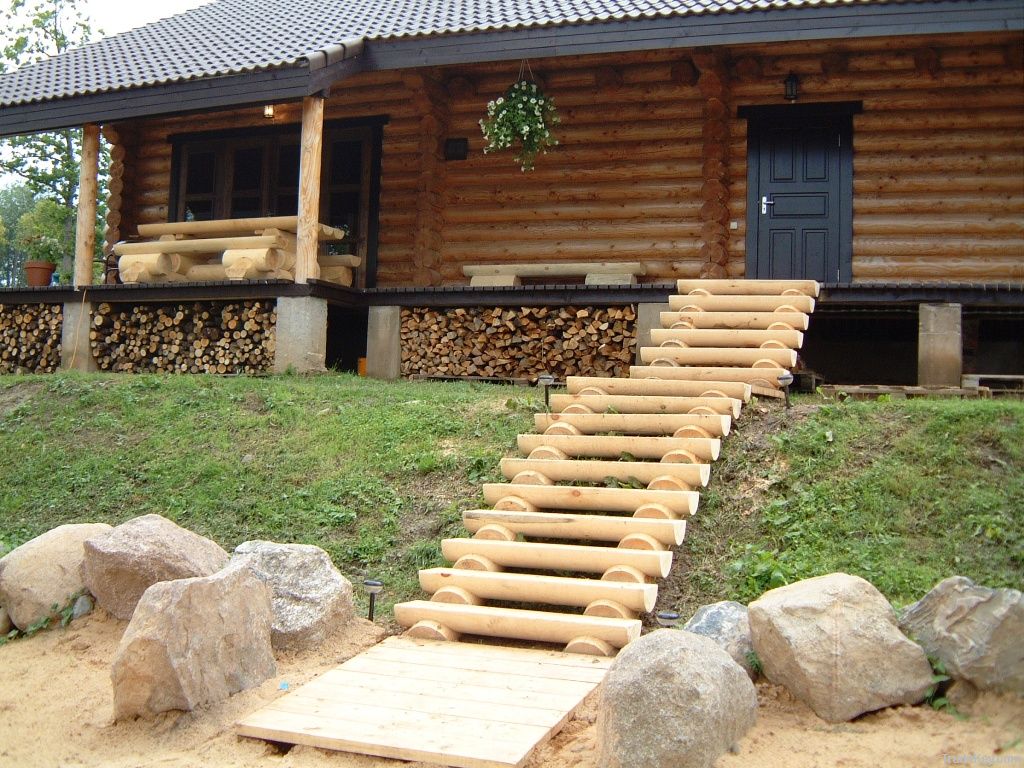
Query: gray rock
[[123, 563], [193, 642], [727, 624], [44, 572], [834, 643], [672, 699], [311, 598], [5, 622], [977, 632], [83, 606]]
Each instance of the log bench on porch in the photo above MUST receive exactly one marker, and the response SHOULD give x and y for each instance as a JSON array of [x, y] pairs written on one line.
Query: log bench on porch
[[227, 249], [593, 272]]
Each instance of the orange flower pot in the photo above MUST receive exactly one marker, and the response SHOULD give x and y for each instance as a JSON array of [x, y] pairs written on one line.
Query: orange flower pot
[[39, 273]]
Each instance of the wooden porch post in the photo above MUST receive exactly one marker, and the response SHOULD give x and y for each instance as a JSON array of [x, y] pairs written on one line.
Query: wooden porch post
[[85, 227], [306, 267]]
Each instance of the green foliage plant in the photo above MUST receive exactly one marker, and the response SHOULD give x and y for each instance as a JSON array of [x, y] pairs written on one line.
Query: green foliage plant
[[42, 233], [522, 118]]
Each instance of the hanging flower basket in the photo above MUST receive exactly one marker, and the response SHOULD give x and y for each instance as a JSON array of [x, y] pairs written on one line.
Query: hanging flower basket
[[523, 119]]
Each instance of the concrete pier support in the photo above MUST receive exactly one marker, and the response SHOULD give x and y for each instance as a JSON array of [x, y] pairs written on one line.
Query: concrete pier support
[[301, 335], [384, 343], [75, 352], [648, 316], [939, 345]]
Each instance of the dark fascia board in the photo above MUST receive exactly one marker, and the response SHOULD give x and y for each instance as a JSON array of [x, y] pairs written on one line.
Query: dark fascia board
[[289, 83]]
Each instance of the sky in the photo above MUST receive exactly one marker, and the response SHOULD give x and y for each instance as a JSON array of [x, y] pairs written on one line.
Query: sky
[[113, 16]]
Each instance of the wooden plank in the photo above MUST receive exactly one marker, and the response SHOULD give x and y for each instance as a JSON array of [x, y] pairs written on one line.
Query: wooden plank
[[647, 404], [550, 525], [560, 269], [749, 287], [726, 337], [642, 424], [652, 387], [617, 446], [684, 503], [723, 356], [485, 650], [741, 303], [559, 557], [736, 320], [755, 377], [598, 471]]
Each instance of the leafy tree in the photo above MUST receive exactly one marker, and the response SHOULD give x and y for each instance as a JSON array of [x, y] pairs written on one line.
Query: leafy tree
[[48, 163], [15, 202], [42, 232]]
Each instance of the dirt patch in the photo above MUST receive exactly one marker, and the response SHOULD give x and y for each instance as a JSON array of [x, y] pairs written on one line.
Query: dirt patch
[[12, 398]]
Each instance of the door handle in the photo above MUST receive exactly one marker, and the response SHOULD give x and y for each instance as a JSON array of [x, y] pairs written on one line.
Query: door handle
[[765, 202]]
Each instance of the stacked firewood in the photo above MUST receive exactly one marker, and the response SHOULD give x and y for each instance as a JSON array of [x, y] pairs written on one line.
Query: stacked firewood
[[522, 342], [200, 337], [30, 338]]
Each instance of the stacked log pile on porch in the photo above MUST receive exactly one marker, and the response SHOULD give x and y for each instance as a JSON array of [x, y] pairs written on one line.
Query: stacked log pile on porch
[[30, 337], [519, 342], [583, 529], [200, 337]]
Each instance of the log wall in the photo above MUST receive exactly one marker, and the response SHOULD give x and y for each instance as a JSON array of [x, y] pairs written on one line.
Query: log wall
[[651, 163], [30, 337], [197, 337], [518, 343]]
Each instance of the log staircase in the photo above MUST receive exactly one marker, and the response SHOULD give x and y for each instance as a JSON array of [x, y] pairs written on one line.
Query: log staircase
[[584, 527]]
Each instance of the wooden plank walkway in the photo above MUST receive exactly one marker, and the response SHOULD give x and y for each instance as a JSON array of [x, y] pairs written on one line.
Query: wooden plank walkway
[[456, 704]]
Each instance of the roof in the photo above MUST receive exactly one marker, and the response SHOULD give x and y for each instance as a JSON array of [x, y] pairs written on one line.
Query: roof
[[270, 41]]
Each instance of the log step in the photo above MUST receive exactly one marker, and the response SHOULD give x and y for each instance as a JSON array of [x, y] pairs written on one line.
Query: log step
[[726, 337], [590, 471], [703, 449], [736, 320], [741, 303], [642, 423], [539, 588], [581, 558], [682, 503], [749, 287], [536, 626], [562, 525], [725, 356], [576, 385], [647, 404], [756, 377]]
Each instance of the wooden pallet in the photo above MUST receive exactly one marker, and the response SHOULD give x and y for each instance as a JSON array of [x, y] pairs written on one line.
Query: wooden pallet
[[874, 391], [456, 704]]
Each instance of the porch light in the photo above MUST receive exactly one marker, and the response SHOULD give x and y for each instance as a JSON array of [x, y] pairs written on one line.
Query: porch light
[[268, 111], [667, 618], [792, 85], [373, 587], [785, 380], [546, 380]]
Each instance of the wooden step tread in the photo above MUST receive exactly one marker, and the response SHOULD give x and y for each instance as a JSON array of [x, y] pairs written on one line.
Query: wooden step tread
[[638, 423], [538, 626], [563, 525], [539, 588], [726, 337], [755, 377], [749, 287], [721, 320], [683, 503], [596, 471], [651, 387], [724, 356], [581, 558], [647, 404], [704, 449], [742, 303]]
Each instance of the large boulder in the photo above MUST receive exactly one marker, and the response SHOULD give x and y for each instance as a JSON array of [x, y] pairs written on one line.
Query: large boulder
[[672, 699], [192, 642], [977, 632], [311, 598], [44, 572], [834, 643], [121, 564], [5, 622], [727, 624]]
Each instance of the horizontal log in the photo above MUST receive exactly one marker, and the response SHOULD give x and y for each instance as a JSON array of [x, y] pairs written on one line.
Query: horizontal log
[[538, 588], [725, 356], [759, 377], [727, 337], [735, 320], [645, 472], [641, 424], [205, 245], [749, 287], [683, 503], [619, 446], [595, 403], [536, 626], [551, 269], [650, 387], [551, 525], [559, 557], [742, 303]]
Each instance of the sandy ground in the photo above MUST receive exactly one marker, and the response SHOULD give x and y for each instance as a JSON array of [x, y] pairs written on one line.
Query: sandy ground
[[56, 711]]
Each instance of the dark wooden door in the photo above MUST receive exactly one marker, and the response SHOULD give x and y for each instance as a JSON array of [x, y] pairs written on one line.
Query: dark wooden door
[[800, 209]]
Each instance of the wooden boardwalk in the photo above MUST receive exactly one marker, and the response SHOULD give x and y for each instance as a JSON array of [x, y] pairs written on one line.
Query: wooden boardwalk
[[458, 704]]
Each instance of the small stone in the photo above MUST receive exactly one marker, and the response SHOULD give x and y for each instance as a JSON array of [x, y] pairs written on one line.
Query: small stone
[[975, 631], [962, 695], [727, 624], [83, 605]]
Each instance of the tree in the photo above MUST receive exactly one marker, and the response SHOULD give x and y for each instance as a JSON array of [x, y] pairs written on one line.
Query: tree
[[42, 232], [15, 202], [48, 163]]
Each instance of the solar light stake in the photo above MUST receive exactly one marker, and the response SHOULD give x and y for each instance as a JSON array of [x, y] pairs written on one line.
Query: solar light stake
[[785, 379], [667, 618], [546, 380], [373, 587]]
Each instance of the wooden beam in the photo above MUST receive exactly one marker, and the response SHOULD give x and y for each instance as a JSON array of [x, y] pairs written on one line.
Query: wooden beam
[[311, 156], [551, 525], [577, 385], [559, 557], [85, 227], [615, 446], [683, 503]]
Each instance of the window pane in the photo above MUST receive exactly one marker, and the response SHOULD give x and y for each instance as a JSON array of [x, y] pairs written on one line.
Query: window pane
[[248, 175], [287, 205], [200, 210], [346, 162], [201, 173], [344, 210], [288, 166], [245, 207]]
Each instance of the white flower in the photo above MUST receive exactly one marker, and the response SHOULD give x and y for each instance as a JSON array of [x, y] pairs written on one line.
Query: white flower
[[500, 101]]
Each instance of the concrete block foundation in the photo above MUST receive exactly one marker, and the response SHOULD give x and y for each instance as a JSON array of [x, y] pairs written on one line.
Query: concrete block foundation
[[939, 345], [75, 350], [301, 335], [384, 343]]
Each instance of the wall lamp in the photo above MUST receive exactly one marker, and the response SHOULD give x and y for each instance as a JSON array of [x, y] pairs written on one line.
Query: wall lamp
[[792, 86], [268, 111]]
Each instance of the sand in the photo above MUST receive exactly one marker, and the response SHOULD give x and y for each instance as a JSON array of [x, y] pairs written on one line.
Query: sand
[[56, 711]]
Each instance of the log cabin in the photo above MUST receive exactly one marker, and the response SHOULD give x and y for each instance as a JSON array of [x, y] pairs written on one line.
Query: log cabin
[[873, 145]]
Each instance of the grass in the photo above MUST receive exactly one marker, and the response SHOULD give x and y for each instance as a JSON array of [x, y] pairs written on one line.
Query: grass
[[902, 493]]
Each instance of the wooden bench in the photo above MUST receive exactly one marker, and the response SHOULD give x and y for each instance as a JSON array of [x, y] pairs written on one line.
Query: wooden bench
[[593, 272], [226, 249]]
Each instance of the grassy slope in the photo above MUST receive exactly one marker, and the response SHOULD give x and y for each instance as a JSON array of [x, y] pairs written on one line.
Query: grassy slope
[[901, 493]]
